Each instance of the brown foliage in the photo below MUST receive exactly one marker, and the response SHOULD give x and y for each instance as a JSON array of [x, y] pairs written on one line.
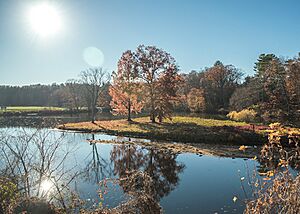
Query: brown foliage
[[158, 74], [196, 100], [282, 194]]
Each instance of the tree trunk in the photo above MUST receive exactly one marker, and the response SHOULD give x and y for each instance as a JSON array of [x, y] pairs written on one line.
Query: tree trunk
[[93, 111], [129, 111], [160, 118], [152, 111], [152, 117], [93, 114]]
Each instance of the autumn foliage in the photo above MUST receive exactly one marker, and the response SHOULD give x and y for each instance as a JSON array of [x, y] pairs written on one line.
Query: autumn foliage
[[148, 76], [125, 89], [196, 100]]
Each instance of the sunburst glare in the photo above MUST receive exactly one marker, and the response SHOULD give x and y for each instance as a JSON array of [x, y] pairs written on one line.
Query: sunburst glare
[[45, 19], [46, 186]]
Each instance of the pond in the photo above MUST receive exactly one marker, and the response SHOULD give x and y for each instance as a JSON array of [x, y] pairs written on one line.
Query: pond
[[101, 174]]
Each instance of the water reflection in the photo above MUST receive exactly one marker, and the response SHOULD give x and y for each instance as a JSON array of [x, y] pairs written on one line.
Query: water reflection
[[150, 173], [97, 168], [52, 165], [46, 186], [35, 161]]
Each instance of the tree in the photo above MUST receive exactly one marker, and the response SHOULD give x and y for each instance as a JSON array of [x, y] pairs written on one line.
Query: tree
[[262, 63], [293, 88], [93, 80], [277, 105], [220, 81], [122, 103], [260, 67], [196, 100], [73, 91], [274, 91], [125, 87], [105, 98], [168, 86], [245, 95], [155, 66]]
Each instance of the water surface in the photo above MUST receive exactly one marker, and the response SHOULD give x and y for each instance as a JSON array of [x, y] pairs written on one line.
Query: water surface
[[180, 183]]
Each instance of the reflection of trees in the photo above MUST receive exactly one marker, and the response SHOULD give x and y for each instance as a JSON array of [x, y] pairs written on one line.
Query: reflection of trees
[[160, 165], [35, 160], [164, 170], [97, 168], [126, 158]]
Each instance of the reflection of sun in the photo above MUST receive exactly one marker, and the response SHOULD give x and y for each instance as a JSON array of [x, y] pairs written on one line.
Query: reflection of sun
[[46, 185], [44, 19]]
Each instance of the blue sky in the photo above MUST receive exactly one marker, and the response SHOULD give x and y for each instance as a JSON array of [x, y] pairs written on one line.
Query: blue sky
[[196, 33]]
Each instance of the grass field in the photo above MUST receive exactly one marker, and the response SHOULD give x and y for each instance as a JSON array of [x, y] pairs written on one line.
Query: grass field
[[180, 129], [31, 109], [25, 110]]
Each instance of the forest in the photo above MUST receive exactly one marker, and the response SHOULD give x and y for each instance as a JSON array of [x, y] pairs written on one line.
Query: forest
[[149, 80]]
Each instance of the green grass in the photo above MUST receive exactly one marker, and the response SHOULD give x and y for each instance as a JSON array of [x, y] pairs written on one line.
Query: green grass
[[205, 122], [31, 109], [180, 129]]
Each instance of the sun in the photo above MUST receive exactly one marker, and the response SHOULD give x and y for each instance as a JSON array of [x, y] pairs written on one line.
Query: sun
[[44, 19]]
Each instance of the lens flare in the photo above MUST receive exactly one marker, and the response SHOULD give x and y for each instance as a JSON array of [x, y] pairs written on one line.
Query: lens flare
[[93, 56]]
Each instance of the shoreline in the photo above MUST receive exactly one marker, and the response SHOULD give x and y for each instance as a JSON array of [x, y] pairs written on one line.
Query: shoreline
[[225, 151], [189, 131]]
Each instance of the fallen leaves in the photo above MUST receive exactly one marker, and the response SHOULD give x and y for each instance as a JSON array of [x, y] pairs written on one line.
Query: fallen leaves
[[243, 148]]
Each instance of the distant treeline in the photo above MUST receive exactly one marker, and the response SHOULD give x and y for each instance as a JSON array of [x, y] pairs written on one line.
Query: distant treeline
[[58, 95], [32, 95]]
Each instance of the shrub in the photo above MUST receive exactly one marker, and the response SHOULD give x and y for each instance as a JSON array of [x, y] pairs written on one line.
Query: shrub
[[279, 192], [246, 115], [8, 195]]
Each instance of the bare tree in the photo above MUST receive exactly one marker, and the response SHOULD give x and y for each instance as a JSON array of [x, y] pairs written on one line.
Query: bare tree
[[35, 160], [93, 80], [74, 94]]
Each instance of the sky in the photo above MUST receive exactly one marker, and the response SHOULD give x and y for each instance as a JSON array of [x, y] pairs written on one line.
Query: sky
[[195, 32]]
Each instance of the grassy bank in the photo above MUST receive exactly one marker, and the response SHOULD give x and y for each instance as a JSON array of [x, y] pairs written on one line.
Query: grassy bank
[[33, 110], [179, 129]]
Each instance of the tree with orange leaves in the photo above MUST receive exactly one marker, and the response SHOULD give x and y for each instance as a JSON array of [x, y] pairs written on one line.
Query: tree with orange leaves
[[125, 87]]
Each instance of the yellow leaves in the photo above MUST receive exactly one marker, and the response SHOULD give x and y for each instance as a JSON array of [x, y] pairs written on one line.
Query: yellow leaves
[[266, 179], [294, 131], [282, 163], [268, 175], [274, 125], [246, 115], [262, 173], [243, 148], [234, 199]]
